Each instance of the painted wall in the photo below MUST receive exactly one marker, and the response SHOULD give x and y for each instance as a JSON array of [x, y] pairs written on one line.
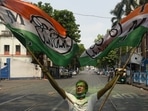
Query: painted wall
[[21, 69]]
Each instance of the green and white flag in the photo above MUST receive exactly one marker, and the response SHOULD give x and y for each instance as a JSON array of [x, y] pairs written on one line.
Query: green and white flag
[[128, 32], [38, 31]]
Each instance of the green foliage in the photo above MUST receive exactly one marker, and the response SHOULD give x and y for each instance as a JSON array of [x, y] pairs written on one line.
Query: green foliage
[[81, 50], [110, 59], [45, 7], [75, 62], [98, 38], [67, 20]]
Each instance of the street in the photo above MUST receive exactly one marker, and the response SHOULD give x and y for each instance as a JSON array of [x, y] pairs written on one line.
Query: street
[[38, 94]]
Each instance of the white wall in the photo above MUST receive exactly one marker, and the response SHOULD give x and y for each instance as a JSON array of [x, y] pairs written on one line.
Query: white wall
[[20, 69], [12, 42], [20, 65], [2, 27]]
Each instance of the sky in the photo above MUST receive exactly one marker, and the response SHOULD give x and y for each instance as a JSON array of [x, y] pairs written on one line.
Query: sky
[[97, 23]]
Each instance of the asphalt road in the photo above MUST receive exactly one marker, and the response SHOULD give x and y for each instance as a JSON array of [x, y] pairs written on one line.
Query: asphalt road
[[38, 94]]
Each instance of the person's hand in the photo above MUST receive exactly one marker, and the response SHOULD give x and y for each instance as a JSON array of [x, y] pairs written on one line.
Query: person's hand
[[120, 71]]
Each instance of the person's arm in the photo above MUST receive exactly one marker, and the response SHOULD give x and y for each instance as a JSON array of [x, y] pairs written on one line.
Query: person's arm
[[56, 86], [101, 92]]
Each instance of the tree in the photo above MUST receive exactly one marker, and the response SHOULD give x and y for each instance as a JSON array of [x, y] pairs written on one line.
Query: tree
[[81, 50], [67, 20], [121, 9], [75, 62], [99, 36], [110, 59], [45, 7], [118, 13]]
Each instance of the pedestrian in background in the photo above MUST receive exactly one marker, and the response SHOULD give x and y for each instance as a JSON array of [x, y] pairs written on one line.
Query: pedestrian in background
[[110, 75]]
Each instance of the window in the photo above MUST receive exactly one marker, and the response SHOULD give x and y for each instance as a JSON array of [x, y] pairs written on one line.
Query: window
[[17, 49], [6, 49]]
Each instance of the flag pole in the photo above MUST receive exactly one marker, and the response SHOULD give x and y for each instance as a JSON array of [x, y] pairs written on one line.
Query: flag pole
[[50, 78], [133, 50]]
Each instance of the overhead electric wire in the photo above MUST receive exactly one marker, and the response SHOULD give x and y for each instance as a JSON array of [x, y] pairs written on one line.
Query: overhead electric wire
[[92, 16]]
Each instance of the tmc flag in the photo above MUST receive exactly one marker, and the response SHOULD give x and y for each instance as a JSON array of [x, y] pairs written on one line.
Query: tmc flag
[[38, 31], [128, 32]]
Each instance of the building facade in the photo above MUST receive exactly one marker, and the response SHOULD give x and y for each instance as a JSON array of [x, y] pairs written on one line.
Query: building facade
[[20, 60]]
